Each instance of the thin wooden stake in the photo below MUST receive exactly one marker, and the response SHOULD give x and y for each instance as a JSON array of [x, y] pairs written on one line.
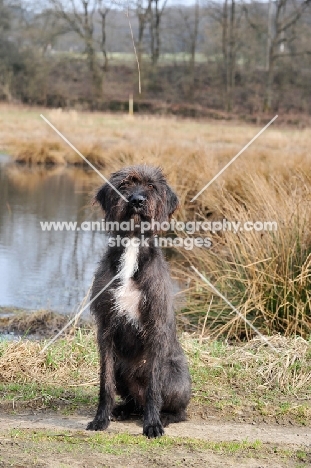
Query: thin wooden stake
[[131, 105]]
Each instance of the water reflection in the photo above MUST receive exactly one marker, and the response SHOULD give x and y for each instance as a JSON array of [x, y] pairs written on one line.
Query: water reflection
[[46, 269]]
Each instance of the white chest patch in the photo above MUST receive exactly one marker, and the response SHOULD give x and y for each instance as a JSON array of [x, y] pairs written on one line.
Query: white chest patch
[[127, 295]]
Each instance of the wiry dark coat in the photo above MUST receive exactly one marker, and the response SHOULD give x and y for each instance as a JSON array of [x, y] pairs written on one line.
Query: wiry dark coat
[[140, 359]]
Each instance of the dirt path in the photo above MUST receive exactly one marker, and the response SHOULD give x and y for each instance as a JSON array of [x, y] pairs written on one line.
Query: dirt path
[[277, 441], [209, 430]]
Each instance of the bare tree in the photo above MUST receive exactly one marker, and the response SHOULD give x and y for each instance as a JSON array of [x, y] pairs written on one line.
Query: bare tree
[[229, 29], [191, 19], [283, 16], [43, 29], [5, 20], [103, 10], [143, 9], [79, 15], [156, 12], [5, 52], [229, 16], [194, 36], [281, 33]]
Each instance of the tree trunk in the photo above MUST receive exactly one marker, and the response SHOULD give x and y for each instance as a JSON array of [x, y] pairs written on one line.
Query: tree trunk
[[91, 53], [232, 55], [141, 29], [269, 82], [155, 37], [103, 40], [229, 51], [194, 42], [225, 51]]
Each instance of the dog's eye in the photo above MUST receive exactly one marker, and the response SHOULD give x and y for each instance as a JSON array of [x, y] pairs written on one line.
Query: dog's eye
[[125, 184], [151, 186]]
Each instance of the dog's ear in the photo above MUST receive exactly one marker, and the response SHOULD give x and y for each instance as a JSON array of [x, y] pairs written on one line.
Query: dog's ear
[[172, 201], [102, 197]]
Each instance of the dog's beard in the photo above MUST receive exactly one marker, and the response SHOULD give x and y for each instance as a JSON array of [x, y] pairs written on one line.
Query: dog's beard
[[136, 217], [137, 220], [140, 214]]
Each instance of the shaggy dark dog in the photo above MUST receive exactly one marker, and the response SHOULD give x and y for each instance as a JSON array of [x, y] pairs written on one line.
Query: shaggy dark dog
[[140, 356]]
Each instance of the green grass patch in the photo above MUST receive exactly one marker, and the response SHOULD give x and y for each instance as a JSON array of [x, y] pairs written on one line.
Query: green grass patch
[[82, 443], [124, 443], [13, 396]]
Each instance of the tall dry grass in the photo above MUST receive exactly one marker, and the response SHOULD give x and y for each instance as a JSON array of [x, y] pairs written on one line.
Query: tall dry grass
[[266, 275], [73, 361]]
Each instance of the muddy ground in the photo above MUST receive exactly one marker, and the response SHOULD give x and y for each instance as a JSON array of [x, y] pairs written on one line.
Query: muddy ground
[[279, 446]]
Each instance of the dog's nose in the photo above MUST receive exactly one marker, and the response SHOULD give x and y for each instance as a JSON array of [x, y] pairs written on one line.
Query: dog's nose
[[136, 199]]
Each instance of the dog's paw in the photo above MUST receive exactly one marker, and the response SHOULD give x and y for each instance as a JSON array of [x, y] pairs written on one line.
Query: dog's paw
[[97, 425], [153, 430]]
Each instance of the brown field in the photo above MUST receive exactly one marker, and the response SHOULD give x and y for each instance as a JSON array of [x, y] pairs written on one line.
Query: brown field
[[266, 275]]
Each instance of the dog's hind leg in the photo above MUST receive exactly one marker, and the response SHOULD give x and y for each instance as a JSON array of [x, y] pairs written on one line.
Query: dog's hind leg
[[125, 409], [177, 391], [168, 418]]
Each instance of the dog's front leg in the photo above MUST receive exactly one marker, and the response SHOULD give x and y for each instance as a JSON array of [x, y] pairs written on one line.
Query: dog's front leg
[[107, 389], [152, 426]]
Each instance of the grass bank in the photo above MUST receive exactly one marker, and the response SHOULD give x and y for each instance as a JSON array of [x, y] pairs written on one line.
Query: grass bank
[[248, 382]]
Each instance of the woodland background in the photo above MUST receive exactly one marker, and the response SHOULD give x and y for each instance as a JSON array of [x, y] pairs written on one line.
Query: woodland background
[[200, 58]]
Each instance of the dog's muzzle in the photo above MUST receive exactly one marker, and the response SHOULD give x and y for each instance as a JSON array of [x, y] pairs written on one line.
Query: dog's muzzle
[[137, 201]]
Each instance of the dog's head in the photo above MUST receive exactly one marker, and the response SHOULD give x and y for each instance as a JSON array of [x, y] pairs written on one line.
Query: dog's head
[[147, 193]]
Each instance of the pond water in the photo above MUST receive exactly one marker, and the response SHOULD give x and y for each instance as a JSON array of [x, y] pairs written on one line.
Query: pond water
[[46, 269]]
